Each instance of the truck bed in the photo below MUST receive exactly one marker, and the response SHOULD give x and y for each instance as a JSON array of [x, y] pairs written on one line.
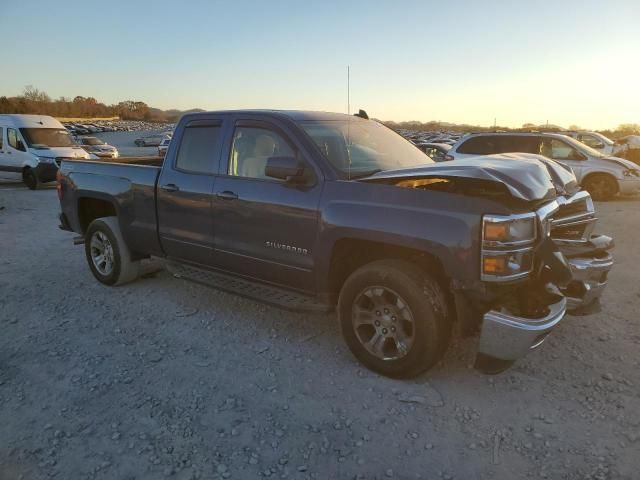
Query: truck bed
[[130, 182]]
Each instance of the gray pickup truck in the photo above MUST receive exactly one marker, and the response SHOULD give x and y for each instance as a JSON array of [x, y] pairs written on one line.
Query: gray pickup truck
[[317, 211]]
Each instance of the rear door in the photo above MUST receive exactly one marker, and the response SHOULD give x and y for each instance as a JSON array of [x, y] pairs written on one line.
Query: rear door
[[185, 189], [265, 228]]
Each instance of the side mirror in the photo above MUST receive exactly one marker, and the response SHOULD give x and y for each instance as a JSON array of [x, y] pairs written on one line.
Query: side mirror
[[576, 156], [20, 146], [284, 168]]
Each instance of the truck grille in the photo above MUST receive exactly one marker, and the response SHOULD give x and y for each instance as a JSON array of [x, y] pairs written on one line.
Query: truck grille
[[574, 220]]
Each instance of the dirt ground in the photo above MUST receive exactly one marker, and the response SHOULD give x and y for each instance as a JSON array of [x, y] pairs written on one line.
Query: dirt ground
[[165, 378]]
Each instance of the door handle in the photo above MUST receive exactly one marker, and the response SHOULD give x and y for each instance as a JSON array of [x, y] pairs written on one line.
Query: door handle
[[227, 195], [170, 187]]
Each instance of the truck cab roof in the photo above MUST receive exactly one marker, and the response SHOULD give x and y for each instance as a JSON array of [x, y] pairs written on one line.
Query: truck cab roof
[[295, 115]]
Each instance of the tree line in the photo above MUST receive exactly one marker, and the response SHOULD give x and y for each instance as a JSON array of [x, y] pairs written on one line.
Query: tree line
[[37, 101]]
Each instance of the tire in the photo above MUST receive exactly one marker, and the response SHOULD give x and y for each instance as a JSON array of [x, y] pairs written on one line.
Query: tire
[[30, 178], [375, 293], [601, 186], [104, 233]]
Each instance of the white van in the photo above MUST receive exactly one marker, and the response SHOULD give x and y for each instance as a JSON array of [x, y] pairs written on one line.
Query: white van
[[33, 146]]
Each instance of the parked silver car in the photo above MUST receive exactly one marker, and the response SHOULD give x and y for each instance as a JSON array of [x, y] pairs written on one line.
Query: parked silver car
[[149, 141], [98, 147]]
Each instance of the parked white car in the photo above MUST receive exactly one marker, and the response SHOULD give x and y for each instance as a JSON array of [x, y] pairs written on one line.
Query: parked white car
[[595, 140], [601, 175], [32, 147]]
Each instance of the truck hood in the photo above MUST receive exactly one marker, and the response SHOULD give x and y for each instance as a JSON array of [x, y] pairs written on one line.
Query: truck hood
[[527, 177]]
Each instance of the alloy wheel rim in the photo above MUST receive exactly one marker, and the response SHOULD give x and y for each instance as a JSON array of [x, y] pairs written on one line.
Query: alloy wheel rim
[[383, 323], [101, 253]]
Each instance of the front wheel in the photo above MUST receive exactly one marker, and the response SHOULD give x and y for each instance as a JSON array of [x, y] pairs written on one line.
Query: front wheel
[[601, 187], [30, 178], [393, 318], [107, 253]]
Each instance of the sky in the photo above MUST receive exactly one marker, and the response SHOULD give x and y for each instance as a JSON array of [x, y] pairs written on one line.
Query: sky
[[565, 62]]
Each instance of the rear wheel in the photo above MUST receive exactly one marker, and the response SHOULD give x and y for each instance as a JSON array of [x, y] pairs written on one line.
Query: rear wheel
[[601, 186], [30, 178], [107, 253], [393, 318]]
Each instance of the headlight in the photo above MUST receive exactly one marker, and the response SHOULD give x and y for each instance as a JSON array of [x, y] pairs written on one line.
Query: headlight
[[46, 160], [500, 230], [631, 173], [507, 246]]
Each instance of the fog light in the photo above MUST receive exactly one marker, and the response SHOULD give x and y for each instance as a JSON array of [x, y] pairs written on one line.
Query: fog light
[[507, 265]]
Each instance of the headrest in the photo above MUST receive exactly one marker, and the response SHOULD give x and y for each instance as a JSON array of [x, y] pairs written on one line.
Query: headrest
[[265, 146]]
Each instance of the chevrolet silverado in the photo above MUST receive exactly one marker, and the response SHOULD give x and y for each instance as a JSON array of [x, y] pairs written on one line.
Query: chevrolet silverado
[[319, 211]]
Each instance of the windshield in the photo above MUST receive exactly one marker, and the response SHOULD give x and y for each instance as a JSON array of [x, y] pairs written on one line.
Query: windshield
[[92, 141], [361, 147], [581, 147], [47, 137]]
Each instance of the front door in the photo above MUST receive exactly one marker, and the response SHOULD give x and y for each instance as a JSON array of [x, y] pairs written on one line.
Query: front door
[[185, 189], [15, 155], [564, 153], [265, 228]]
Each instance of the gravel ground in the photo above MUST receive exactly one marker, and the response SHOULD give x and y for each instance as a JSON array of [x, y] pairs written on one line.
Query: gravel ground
[[165, 378]]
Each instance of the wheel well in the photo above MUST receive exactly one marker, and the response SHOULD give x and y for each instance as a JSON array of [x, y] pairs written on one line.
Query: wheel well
[[349, 254], [91, 208], [601, 174]]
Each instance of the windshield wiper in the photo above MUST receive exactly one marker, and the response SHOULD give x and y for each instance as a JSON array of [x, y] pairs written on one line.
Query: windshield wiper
[[365, 174]]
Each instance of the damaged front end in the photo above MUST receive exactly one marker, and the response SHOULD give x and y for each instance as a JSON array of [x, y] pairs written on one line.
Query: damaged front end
[[520, 315], [534, 266], [572, 273], [588, 255]]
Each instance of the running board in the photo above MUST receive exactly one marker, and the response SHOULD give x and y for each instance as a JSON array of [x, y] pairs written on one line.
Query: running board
[[260, 292]]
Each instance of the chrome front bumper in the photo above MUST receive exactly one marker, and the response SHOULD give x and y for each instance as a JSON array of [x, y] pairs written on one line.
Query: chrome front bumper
[[509, 337], [589, 279]]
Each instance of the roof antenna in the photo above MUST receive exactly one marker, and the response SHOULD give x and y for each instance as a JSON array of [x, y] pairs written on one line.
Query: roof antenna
[[348, 92], [348, 122]]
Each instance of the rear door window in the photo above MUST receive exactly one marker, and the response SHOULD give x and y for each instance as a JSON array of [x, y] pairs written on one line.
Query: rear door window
[[525, 144], [198, 152], [482, 145], [1, 137]]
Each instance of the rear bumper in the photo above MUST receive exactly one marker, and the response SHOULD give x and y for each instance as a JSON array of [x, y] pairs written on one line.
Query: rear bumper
[[508, 337]]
